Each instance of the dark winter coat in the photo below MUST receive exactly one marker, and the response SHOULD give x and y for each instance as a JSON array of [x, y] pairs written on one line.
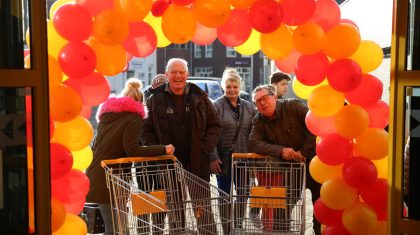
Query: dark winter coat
[[118, 135], [206, 126]]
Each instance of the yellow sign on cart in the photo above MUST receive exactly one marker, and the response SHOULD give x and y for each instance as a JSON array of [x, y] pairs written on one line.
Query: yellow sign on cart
[[268, 197], [145, 203]]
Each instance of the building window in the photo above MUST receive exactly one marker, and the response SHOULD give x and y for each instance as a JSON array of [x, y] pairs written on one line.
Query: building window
[[245, 73], [203, 71], [209, 51], [230, 52], [197, 51], [178, 46]]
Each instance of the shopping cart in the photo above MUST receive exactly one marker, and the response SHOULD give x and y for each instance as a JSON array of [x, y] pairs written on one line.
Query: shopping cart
[[277, 194], [155, 195]]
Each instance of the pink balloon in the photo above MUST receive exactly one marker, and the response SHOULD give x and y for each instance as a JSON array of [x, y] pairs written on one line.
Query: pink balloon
[[73, 22], [141, 40], [94, 89], [159, 7], [320, 126], [327, 14], [61, 160], [334, 149], [266, 15], [376, 196], [311, 70], [326, 215], [86, 112], [359, 172], [96, 6], [367, 93], [229, 34], [77, 59], [204, 35], [378, 114], [287, 64], [347, 21], [71, 187], [344, 75], [297, 12]]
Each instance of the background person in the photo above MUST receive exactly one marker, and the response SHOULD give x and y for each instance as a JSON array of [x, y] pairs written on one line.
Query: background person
[[279, 130], [158, 80], [281, 82], [118, 135], [182, 114]]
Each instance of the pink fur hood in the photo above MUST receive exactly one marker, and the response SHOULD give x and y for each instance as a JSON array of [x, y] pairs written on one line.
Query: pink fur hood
[[119, 105]]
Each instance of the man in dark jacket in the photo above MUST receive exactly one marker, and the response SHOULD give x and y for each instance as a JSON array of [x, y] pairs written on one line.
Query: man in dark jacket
[[181, 114], [279, 131]]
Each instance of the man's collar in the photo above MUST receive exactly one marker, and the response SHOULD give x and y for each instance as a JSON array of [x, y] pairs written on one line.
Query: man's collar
[[186, 89]]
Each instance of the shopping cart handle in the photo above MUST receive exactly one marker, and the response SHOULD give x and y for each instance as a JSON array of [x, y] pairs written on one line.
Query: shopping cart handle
[[104, 163], [248, 155]]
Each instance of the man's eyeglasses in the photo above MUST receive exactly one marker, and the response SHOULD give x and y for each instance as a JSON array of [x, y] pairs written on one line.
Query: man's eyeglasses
[[264, 98]]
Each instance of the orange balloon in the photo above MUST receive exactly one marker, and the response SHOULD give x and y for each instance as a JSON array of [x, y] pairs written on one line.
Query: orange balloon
[[337, 194], [58, 214], [342, 41], [351, 121], [31, 201], [110, 27], [73, 224], [178, 24], [65, 103], [369, 56], [110, 60], [211, 13], [134, 10], [372, 144], [380, 228], [309, 38], [75, 134], [55, 74], [242, 4], [278, 44], [324, 101], [322, 172], [359, 219]]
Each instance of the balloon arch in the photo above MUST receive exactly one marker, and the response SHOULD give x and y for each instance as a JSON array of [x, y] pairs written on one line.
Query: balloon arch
[[91, 39]]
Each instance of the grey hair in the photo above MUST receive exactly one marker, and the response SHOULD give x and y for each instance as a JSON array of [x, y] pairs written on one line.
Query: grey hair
[[230, 75], [268, 87], [174, 60]]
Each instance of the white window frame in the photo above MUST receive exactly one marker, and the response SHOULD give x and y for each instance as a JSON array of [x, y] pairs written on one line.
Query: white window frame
[[209, 51], [197, 51], [245, 73], [230, 52], [203, 71]]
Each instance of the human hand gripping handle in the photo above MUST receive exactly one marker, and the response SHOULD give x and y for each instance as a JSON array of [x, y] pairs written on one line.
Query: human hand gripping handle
[[215, 166], [291, 154], [169, 149]]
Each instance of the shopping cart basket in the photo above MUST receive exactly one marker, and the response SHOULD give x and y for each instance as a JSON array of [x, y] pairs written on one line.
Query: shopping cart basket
[[155, 195], [277, 195]]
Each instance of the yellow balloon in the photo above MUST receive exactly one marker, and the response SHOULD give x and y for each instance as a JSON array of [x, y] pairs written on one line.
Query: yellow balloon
[[156, 22], [55, 41], [372, 144], [369, 56], [178, 24], [110, 59], [82, 158], [324, 101], [322, 172], [337, 194], [251, 45], [382, 167], [75, 134], [359, 219], [56, 5], [278, 44], [303, 91], [73, 225], [28, 38]]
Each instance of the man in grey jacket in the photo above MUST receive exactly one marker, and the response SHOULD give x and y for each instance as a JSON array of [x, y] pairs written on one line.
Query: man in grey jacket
[[279, 131]]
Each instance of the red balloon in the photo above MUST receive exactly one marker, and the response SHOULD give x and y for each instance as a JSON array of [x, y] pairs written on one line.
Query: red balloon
[[61, 160], [326, 215], [266, 15], [229, 34], [73, 22], [96, 6], [336, 230], [297, 12], [378, 114], [367, 93], [344, 75], [141, 40], [327, 14], [94, 89], [311, 70], [377, 194], [287, 64], [75, 207], [334, 149], [70, 188], [159, 7], [77, 59], [320, 126], [359, 172]]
